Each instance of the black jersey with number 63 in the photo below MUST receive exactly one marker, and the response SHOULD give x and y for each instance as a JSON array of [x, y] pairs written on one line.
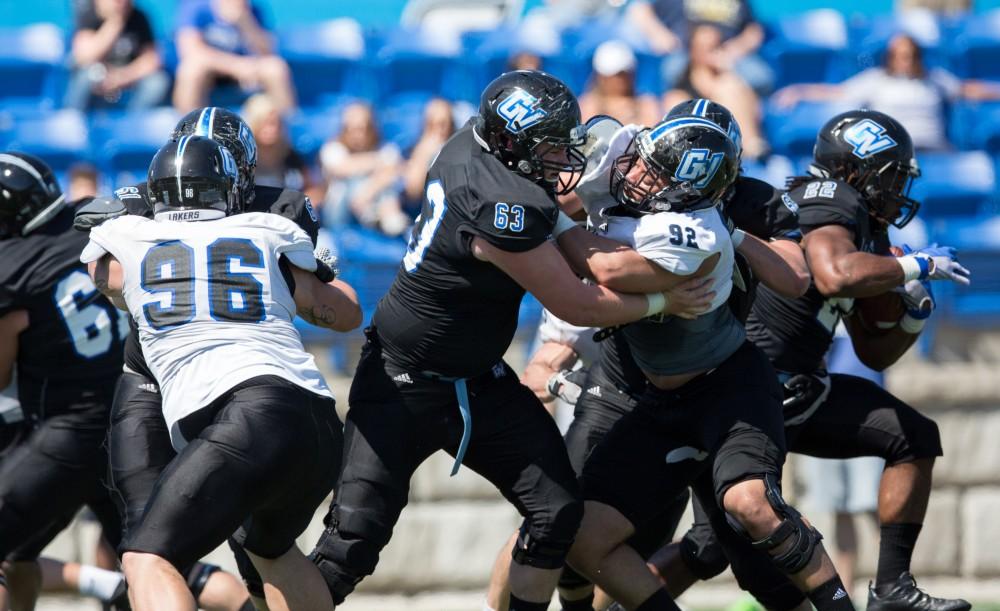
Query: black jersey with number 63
[[74, 335], [796, 333], [288, 203], [448, 312]]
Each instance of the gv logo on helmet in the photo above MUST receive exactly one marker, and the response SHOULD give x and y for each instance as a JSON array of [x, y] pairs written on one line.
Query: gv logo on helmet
[[518, 109], [698, 166], [868, 138]]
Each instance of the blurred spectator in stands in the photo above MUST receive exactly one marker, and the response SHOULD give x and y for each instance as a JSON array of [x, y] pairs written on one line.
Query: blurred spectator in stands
[[439, 125], [668, 25], [363, 175], [114, 52], [82, 179], [904, 88], [704, 77], [225, 42], [612, 88], [948, 7], [278, 164], [524, 60]]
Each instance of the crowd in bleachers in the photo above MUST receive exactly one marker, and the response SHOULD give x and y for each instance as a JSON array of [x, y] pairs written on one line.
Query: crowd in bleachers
[[353, 116]]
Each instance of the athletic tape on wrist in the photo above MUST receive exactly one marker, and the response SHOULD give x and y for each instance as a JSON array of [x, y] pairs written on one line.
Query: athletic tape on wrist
[[914, 268], [656, 303]]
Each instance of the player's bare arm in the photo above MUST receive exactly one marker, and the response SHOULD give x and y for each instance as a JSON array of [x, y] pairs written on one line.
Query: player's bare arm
[[878, 351], [841, 270], [780, 264], [544, 273], [109, 279], [11, 325], [619, 267], [334, 305]]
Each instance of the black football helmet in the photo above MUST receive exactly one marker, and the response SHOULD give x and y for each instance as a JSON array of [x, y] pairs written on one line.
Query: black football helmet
[[714, 112], [29, 194], [873, 153], [524, 109], [232, 131], [193, 178], [687, 163]]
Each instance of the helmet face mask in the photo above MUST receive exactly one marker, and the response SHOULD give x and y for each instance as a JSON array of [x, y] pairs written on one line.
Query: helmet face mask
[[231, 131], [873, 153], [193, 178], [29, 194], [680, 164], [530, 121]]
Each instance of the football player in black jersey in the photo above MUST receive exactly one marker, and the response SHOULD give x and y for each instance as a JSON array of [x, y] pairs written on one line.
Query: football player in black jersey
[[863, 166], [432, 376], [66, 340], [139, 443]]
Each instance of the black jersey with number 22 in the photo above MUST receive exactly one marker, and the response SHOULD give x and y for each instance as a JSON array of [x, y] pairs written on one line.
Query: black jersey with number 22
[[448, 312]]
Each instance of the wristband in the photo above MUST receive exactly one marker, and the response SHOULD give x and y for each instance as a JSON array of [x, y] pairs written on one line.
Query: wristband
[[914, 268], [737, 237], [563, 224], [656, 303], [912, 325]]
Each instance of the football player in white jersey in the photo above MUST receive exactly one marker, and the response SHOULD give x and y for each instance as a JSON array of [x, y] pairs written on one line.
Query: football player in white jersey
[[214, 297]]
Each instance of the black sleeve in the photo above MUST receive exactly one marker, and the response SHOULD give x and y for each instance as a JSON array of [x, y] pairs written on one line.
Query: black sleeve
[[139, 24], [828, 202], [514, 227], [763, 211]]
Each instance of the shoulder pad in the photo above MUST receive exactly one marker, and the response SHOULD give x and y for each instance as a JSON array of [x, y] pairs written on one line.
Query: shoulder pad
[[827, 202]]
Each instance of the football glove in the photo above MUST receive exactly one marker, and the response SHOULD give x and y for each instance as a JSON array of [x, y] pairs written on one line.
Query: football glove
[[326, 265], [567, 385], [944, 263], [918, 297], [96, 211]]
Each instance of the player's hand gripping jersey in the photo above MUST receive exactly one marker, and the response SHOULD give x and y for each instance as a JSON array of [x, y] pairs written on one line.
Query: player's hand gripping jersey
[[448, 312], [212, 304]]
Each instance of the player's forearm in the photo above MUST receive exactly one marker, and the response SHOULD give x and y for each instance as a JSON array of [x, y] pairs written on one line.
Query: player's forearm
[[107, 275], [857, 274], [879, 351], [333, 305], [11, 326], [777, 265], [536, 377], [613, 264], [597, 306]]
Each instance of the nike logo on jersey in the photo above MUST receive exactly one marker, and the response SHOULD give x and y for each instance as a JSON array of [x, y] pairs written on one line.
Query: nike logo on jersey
[[403, 378], [594, 390], [839, 594], [684, 453]]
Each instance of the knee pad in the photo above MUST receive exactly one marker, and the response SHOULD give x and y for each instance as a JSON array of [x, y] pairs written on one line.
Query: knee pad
[[571, 580], [544, 543], [702, 554], [348, 551], [793, 529], [198, 576], [252, 579]]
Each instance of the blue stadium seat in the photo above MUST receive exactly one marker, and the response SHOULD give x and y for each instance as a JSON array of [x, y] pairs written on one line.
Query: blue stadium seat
[[809, 47], [976, 126], [793, 131], [31, 65], [870, 36], [326, 57], [954, 184], [127, 141], [416, 60], [61, 138], [976, 49]]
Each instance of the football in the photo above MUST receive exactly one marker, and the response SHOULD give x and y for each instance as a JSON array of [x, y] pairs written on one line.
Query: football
[[880, 313]]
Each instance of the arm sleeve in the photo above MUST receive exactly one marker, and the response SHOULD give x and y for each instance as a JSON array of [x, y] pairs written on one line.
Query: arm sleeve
[[653, 240], [103, 239]]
